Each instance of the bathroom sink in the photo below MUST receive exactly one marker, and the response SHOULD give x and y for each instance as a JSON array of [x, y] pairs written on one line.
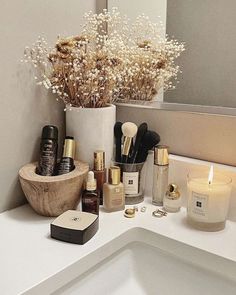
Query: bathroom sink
[[139, 268]]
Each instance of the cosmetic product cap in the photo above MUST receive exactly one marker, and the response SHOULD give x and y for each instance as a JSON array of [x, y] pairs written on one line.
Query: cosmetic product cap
[[50, 132], [172, 192], [114, 175], [99, 160], [161, 156], [69, 148], [91, 184]]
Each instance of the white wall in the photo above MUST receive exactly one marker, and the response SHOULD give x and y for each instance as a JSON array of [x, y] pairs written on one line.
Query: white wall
[[25, 108]]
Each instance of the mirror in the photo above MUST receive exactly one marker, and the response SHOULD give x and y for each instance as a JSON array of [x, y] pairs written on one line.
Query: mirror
[[208, 29]]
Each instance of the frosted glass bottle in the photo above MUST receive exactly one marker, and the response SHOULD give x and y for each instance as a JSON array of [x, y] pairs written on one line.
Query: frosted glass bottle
[[160, 174]]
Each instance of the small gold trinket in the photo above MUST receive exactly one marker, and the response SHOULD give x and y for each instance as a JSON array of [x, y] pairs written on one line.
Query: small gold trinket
[[143, 209], [130, 213], [159, 213]]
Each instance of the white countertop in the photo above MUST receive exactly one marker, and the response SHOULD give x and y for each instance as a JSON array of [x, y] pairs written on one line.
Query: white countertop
[[29, 256]]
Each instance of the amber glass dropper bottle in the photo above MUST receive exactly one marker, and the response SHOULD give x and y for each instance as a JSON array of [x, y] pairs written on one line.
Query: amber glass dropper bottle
[[100, 172]]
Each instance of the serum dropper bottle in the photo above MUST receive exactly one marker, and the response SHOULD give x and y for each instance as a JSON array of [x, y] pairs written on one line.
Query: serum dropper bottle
[[90, 198]]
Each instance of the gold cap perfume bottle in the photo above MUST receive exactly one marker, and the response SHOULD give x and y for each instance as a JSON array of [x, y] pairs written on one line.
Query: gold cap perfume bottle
[[160, 174]]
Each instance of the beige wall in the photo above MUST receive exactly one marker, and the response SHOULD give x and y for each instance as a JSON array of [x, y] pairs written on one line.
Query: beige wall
[[202, 136], [25, 108], [208, 28]]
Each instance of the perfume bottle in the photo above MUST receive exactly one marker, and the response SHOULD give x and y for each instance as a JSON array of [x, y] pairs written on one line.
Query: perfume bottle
[[66, 164], [90, 198], [48, 151], [160, 174], [100, 172], [172, 199], [113, 191]]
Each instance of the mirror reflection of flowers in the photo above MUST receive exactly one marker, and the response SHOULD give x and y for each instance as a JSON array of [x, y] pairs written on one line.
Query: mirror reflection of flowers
[[110, 60]]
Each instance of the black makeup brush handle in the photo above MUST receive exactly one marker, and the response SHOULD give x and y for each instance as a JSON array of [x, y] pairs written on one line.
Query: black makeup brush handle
[[118, 150], [142, 129], [141, 155], [124, 159], [118, 139]]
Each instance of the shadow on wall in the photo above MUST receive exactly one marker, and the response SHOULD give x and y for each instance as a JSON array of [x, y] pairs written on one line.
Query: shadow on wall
[[27, 116]]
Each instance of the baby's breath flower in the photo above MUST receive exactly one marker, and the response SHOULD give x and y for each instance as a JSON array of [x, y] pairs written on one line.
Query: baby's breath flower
[[111, 59]]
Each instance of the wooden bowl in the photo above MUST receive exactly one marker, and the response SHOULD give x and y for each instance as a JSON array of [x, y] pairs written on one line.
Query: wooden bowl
[[53, 195]]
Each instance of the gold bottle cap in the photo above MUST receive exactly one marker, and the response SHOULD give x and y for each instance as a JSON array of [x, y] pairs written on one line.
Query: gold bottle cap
[[161, 156], [99, 160], [69, 148], [114, 175], [173, 192]]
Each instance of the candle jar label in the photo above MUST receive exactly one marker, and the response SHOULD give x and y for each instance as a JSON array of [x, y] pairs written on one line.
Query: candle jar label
[[199, 206], [130, 181]]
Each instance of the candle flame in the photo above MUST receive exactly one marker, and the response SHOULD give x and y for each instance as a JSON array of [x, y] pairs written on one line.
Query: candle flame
[[211, 173]]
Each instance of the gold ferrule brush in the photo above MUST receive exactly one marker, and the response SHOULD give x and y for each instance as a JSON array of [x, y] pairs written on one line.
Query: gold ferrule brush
[[126, 146]]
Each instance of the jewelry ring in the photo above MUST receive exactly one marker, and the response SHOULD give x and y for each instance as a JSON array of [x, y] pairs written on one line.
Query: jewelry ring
[[159, 213], [129, 213]]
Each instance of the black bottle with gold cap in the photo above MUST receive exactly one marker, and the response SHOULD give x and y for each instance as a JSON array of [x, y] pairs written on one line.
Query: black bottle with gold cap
[[66, 164], [48, 151], [100, 172]]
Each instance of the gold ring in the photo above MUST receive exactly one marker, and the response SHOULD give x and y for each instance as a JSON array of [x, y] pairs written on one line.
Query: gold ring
[[129, 213]]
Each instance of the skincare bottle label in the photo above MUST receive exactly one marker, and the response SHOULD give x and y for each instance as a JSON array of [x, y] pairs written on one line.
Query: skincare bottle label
[[130, 181], [198, 207], [117, 198]]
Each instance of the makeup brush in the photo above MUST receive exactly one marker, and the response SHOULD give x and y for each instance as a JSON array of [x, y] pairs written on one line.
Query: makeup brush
[[129, 130], [118, 136], [142, 129], [149, 140]]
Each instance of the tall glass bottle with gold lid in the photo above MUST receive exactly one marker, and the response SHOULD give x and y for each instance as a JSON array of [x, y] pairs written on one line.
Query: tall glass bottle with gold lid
[[160, 174], [113, 191], [100, 172]]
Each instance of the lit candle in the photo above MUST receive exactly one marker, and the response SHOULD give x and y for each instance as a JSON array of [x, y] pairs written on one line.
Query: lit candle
[[208, 200]]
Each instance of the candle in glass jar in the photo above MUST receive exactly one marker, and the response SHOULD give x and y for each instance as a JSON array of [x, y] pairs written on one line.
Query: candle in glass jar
[[208, 200]]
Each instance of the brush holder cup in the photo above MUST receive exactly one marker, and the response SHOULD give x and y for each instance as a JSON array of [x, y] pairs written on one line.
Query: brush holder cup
[[133, 178], [53, 195]]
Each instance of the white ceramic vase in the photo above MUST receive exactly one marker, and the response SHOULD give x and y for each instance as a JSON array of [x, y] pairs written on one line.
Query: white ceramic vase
[[92, 129]]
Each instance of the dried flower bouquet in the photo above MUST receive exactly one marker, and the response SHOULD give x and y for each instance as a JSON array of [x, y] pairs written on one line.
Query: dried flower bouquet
[[109, 60]]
